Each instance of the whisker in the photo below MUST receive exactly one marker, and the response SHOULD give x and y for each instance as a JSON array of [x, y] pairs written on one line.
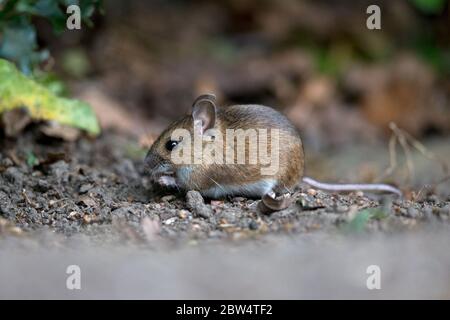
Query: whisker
[[218, 184]]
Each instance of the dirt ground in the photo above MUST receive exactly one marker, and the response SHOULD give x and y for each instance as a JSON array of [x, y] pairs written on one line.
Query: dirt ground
[[74, 197], [98, 187]]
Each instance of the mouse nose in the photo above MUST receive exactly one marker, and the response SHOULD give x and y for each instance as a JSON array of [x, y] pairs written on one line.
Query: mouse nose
[[151, 161]]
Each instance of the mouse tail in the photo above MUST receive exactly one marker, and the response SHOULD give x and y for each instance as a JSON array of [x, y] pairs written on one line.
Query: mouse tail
[[352, 186]]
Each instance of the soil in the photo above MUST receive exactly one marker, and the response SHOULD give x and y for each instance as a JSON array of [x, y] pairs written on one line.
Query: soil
[[97, 187]]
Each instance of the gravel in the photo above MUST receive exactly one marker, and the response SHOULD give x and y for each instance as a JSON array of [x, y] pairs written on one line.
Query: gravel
[[98, 181]]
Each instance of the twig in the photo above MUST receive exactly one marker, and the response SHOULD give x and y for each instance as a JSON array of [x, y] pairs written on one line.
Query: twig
[[404, 144], [392, 159], [425, 152], [406, 141], [430, 186], [27, 200]]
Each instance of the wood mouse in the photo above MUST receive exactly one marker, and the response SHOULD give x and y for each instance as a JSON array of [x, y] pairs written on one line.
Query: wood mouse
[[227, 151]]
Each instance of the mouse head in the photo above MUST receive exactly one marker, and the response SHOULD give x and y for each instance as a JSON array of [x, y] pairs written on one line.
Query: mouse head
[[159, 160]]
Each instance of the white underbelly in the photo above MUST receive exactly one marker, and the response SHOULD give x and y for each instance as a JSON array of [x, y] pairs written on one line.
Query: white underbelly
[[256, 189]]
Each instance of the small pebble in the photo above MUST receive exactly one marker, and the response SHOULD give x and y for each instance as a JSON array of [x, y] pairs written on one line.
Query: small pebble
[[341, 208], [6, 163], [43, 185], [52, 203], [413, 212], [216, 203], [87, 218], [72, 214], [195, 202], [170, 221], [253, 225], [85, 188], [183, 214], [229, 215], [168, 198]]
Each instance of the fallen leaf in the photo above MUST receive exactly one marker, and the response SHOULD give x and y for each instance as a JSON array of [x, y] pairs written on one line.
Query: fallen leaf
[[87, 200], [14, 121], [56, 130], [18, 91]]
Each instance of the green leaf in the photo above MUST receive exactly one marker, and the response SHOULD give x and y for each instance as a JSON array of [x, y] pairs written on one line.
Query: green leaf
[[18, 35], [437, 57], [32, 160], [45, 8], [378, 214], [16, 91], [6, 7], [359, 222], [430, 6], [51, 81], [18, 44]]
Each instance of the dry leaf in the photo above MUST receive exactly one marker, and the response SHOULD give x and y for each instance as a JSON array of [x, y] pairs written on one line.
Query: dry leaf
[[14, 121], [87, 200], [54, 129]]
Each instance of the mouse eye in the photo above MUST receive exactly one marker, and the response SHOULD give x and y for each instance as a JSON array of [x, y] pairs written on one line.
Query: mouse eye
[[171, 144]]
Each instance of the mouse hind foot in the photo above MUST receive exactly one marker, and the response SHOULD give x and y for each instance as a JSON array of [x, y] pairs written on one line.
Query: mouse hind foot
[[271, 202]]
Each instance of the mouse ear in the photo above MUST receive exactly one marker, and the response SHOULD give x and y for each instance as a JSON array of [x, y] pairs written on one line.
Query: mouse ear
[[204, 110]]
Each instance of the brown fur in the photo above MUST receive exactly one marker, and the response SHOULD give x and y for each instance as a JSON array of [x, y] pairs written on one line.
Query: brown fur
[[202, 177]]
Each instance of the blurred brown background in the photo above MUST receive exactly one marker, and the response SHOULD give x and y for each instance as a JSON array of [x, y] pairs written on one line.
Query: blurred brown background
[[143, 63]]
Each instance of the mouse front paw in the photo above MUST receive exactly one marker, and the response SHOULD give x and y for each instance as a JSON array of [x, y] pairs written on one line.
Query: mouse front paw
[[167, 181]]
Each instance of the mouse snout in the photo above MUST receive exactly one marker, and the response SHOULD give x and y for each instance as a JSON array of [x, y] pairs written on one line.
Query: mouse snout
[[156, 166], [152, 161]]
